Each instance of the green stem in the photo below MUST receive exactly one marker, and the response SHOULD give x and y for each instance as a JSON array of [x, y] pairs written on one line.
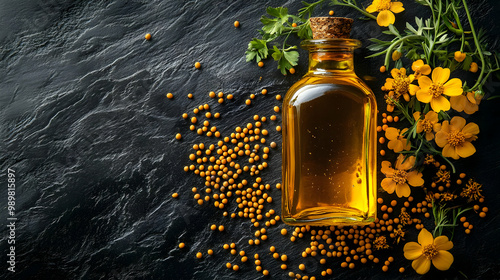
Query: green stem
[[436, 30], [478, 46], [391, 47], [449, 162], [355, 7]]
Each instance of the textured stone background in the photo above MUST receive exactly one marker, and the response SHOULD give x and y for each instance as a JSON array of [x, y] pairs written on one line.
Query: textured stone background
[[86, 125]]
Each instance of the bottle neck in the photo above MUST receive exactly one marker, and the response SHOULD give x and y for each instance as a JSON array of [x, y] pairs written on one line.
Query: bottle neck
[[331, 56], [331, 61]]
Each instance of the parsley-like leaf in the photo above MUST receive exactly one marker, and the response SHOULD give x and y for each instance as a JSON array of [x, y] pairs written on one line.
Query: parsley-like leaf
[[305, 31], [287, 58], [257, 49], [275, 25]]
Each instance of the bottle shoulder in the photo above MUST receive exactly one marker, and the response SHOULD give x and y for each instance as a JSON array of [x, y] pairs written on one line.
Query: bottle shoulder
[[318, 85]]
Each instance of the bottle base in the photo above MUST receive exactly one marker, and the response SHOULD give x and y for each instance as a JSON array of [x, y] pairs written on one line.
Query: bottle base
[[329, 216]]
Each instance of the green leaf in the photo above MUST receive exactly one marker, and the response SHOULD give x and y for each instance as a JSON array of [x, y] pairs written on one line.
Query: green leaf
[[412, 54], [466, 63], [408, 25], [394, 30], [287, 58], [375, 47], [257, 49], [305, 31], [275, 25], [418, 21]]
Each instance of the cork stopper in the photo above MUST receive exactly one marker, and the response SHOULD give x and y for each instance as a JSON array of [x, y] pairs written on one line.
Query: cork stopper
[[331, 27]]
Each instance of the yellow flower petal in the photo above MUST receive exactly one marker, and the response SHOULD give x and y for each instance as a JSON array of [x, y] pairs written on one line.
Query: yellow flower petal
[[440, 103], [412, 250], [371, 9], [413, 89], [385, 18], [442, 260], [424, 82], [425, 69], [386, 168], [436, 127], [403, 190], [388, 83], [471, 97], [443, 243], [432, 116], [421, 265], [415, 66], [457, 123], [420, 127], [423, 95], [470, 129], [449, 151], [415, 179], [425, 238], [453, 87], [445, 127], [429, 136], [440, 75], [395, 145], [397, 7], [394, 73], [465, 150], [405, 164], [441, 138], [388, 185], [391, 133], [416, 115], [470, 108], [458, 102]]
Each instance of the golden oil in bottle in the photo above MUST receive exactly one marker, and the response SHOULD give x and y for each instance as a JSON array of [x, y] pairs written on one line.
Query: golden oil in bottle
[[329, 135]]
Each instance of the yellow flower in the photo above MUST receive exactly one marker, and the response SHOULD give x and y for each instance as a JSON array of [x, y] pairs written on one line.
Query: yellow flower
[[433, 90], [473, 67], [467, 102], [397, 142], [459, 56], [429, 250], [429, 124], [400, 84], [399, 178], [386, 8], [419, 68], [455, 138]]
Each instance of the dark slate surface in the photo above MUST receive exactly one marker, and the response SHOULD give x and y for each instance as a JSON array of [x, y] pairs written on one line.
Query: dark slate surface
[[87, 128]]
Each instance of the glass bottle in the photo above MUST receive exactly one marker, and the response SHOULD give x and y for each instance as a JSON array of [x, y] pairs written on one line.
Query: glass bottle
[[329, 135]]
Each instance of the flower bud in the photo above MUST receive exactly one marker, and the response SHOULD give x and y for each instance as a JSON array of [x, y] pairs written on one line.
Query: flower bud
[[473, 67], [396, 55], [460, 56]]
